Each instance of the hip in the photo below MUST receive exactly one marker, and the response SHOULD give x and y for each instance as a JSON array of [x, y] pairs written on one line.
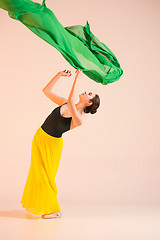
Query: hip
[[41, 136]]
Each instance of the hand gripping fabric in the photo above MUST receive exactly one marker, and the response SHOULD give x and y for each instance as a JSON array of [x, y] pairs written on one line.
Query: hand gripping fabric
[[77, 44]]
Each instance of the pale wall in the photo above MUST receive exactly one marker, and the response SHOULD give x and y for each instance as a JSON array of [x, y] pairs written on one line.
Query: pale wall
[[114, 157]]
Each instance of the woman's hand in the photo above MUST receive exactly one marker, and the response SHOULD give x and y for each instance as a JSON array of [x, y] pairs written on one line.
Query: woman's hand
[[66, 73], [78, 72]]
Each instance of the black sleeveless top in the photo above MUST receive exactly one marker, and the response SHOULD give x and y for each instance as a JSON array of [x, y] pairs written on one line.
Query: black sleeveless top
[[55, 124]]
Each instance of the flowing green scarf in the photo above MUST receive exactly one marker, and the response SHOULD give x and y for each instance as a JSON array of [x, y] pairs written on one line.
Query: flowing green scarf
[[78, 45]]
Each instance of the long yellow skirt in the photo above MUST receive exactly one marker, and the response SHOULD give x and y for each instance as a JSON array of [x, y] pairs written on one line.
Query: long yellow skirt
[[40, 191]]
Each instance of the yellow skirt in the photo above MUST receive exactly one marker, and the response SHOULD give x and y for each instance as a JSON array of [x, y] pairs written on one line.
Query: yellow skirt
[[40, 191]]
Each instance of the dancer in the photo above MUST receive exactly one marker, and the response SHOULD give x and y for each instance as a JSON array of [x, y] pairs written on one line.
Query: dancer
[[40, 192]]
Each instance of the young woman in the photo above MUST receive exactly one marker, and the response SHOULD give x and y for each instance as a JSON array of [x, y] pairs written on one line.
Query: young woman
[[40, 192]]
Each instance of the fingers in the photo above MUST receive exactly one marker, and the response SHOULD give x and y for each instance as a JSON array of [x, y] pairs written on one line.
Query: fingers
[[78, 71], [67, 72]]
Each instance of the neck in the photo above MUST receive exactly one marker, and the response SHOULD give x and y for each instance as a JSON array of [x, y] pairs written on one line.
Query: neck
[[80, 106]]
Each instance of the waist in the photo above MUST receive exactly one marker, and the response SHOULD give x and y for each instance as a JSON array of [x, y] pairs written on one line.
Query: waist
[[55, 128], [49, 135]]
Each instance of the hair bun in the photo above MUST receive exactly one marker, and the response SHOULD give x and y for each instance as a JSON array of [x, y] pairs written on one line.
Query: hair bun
[[93, 111], [95, 104]]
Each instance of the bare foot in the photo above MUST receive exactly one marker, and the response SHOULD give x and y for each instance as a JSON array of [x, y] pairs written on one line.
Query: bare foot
[[52, 215]]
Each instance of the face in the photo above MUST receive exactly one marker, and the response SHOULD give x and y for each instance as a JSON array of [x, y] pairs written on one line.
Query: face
[[85, 97]]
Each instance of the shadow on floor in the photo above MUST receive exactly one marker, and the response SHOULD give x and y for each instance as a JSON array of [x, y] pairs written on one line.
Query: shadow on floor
[[18, 214]]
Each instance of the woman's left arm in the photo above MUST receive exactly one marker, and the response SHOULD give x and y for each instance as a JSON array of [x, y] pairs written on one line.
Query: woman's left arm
[[76, 116]]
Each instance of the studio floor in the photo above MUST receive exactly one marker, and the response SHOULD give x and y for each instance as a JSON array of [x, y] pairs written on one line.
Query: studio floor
[[82, 222]]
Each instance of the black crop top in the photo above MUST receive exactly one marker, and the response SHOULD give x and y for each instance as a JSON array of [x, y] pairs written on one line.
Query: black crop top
[[55, 124]]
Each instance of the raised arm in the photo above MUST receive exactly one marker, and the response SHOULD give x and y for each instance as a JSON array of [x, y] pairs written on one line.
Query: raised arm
[[76, 116], [47, 90]]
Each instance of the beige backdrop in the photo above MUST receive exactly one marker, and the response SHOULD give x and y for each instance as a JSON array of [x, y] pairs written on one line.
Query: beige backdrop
[[114, 157]]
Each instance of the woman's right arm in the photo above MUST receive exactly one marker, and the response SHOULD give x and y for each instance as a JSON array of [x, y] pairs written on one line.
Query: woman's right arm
[[47, 90], [76, 116]]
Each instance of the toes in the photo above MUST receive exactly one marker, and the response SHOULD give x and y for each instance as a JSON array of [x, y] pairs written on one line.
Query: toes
[[52, 215]]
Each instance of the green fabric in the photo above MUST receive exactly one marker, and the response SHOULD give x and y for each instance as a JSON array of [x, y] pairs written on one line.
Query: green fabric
[[78, 45]]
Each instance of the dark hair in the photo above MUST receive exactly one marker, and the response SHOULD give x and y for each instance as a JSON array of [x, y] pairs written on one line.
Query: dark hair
[[93, 108]]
